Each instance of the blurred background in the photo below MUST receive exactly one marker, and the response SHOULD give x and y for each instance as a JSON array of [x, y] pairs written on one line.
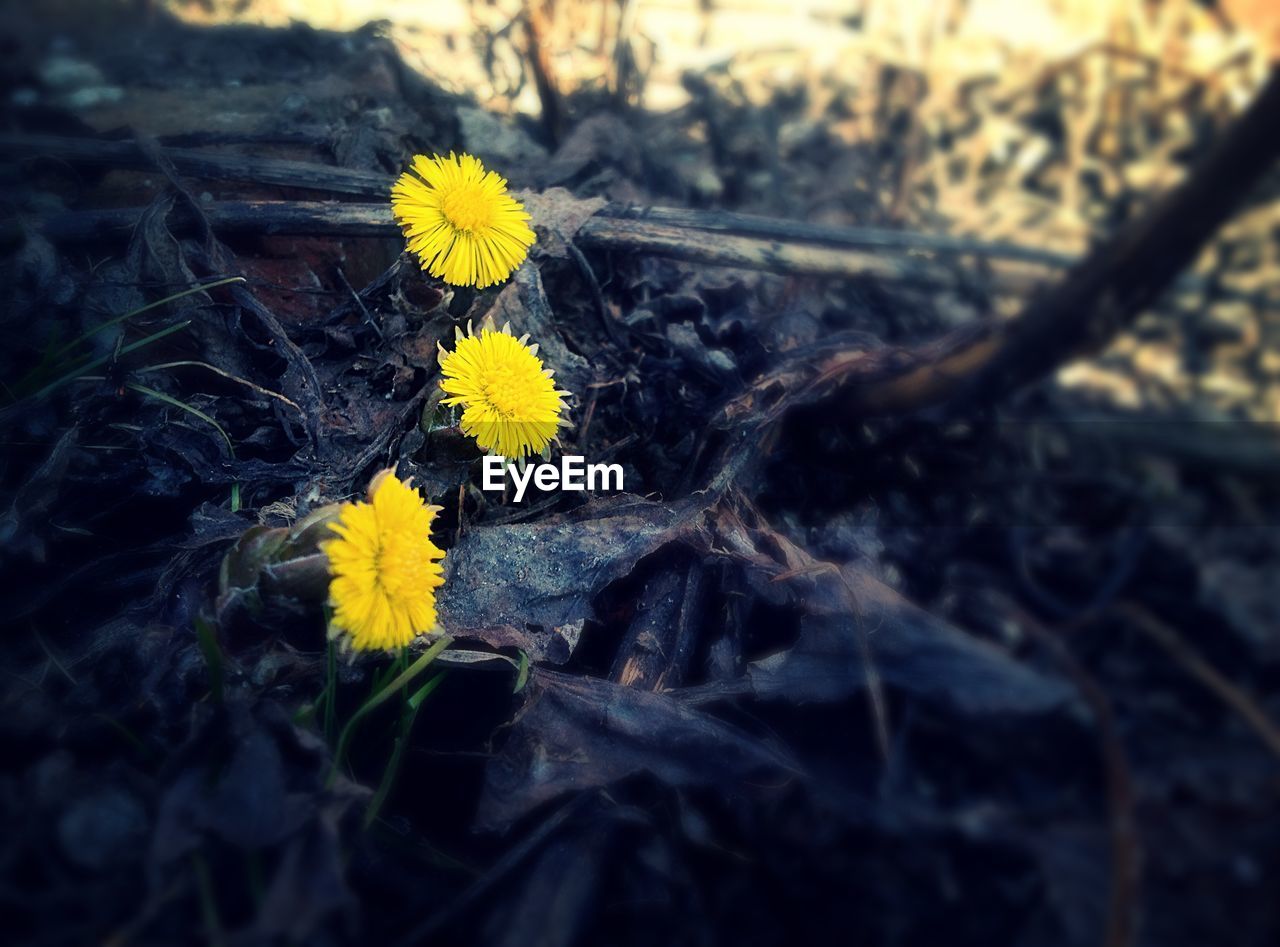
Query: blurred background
[[1040, 122]]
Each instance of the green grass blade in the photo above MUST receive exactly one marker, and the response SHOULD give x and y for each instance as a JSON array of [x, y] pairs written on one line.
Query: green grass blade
[[423, 692], [102, 360], [169, 399], [116, 320], [522, 672], [330, 685], [212, 657], [417, 667]]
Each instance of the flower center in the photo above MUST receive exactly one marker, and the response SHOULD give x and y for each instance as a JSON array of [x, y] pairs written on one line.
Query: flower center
[[392, 564], [508, 392], [468, 208]]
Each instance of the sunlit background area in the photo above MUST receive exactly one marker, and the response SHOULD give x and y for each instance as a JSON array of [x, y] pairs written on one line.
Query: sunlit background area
[[1038, 122]]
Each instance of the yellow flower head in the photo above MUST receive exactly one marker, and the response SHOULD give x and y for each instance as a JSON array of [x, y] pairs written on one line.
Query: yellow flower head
[[460, 221], [511, 405], [384, 567]]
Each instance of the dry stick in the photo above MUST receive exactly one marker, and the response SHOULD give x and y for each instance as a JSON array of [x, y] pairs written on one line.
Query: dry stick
[[1080, 315], [599, 232], [674, 240], [197, 164], [324, 178], [261, 217], [629, 236], [756, 253], [858, 238], [654, 654], [717, 239], [188, 363]]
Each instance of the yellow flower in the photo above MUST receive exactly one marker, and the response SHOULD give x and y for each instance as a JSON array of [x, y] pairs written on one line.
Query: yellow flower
[[460, 221], [384, 567], [511, 405]]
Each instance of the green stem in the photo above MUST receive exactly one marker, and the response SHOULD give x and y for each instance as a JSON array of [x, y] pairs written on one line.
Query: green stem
[[330, 689], [413, 670], [408, 714]]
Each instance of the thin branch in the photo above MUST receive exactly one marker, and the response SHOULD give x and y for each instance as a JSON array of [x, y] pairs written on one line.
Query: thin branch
[[1126, 843], [1232, 696], [603, 233], [858, 238], [319, 178]]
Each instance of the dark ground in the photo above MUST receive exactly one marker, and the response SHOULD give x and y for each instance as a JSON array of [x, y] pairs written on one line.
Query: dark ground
[[978, 676]]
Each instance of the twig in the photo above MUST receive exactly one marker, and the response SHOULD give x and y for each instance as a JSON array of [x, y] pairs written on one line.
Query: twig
[[301, 376], [386, 434], [264, 217], [1178, 649], [368, 317], [857, 238], [597, 296], [1115, 283], [717, 239], [188, 363], [1126, 846], [1127, 273], [756, 253], [196, 164], [587, 414], [605, 233], [654, 654]]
